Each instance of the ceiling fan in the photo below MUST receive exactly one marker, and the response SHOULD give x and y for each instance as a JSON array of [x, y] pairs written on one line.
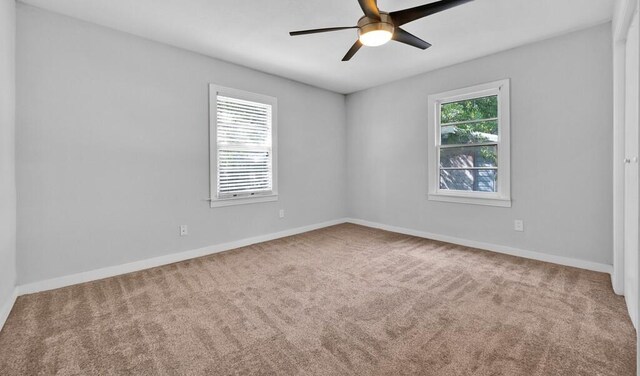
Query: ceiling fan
[[376, 28]]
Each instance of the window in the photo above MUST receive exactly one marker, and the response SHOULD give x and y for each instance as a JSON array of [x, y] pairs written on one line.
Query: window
[[243, 147], [469, 145]]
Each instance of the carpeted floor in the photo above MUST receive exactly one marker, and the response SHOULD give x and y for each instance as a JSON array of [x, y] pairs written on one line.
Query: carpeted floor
[[345, 300]]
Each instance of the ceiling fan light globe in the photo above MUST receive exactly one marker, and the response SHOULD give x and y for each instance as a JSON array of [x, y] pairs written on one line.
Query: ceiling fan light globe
[[375, 32], [375, 38]]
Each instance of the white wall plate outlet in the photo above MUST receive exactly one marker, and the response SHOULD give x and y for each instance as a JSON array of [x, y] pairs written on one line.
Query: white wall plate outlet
[[518, 225]]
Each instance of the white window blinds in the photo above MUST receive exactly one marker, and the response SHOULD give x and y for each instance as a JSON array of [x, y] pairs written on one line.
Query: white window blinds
[[244, 147]]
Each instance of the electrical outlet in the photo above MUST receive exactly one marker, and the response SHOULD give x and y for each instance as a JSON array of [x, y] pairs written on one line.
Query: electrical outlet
[[518, 225], [184, 230], [281, 213]]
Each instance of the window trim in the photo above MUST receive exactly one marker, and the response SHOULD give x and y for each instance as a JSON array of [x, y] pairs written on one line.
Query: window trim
[[214, 91], [500, 198]]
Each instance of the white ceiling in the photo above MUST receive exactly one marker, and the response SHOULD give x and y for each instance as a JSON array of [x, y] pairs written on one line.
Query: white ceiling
[[254, 33]]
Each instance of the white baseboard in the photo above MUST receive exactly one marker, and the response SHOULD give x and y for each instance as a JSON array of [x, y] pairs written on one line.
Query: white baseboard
[[567, 261], [135, 266], [112, 271], [7, 306]]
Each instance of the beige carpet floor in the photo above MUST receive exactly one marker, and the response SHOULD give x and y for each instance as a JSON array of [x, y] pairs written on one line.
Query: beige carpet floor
[[345, 300]]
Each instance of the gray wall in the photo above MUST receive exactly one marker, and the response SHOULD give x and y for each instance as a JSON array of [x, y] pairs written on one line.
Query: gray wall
[[112, 149], [7, 151], [561, 111]]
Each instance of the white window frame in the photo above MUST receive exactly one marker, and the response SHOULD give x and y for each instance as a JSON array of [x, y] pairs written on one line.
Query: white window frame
[[214, 91], [503, 195]]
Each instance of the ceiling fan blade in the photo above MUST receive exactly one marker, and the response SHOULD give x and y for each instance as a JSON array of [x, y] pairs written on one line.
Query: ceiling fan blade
[[370, 8], [356, 46], [402, 36], [402, 17], [326, 29]]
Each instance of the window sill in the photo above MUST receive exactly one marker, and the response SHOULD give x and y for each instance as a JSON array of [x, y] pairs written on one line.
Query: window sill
[[217, 203], [468, 199]]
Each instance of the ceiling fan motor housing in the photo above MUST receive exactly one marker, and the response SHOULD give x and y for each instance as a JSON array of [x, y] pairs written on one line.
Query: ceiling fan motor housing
[[366, 24]]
